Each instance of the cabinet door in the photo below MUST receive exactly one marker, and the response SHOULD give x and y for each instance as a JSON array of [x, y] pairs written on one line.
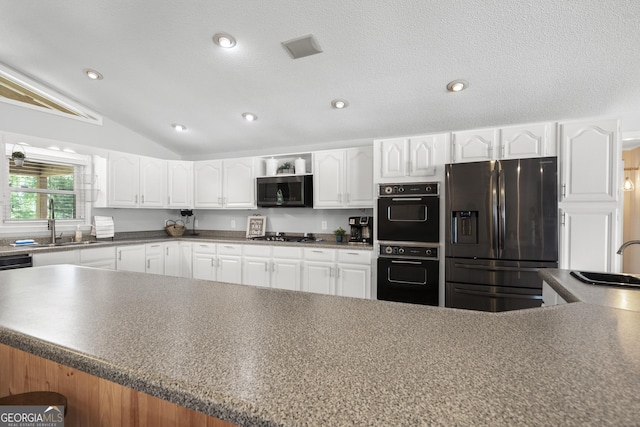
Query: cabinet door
[[99, 257], [359, 177], [131, 258], [474, 145], [394, 157], [354, 281], [328, 180], [180, 184], [186, 259], [318, 277], [153, 191], [588, 238], [534, 140], [204, 266], [590, 161], [239, 183], [172, 259], [423, 154], [54, 258], [208, 184], [229, 269], [123, 180], [255, 271], [286, 274]]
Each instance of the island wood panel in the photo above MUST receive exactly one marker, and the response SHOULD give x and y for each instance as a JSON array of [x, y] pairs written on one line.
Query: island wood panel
[[93, 401]]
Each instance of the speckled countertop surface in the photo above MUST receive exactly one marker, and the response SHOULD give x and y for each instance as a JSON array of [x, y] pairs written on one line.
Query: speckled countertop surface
[[256, 356]]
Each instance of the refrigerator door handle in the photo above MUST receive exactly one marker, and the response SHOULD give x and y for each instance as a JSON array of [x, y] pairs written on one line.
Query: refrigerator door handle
[[498, 294], [496, 268], [494, 210], [502, 230]]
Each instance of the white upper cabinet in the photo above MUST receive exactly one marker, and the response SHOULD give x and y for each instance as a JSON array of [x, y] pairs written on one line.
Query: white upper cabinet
[[135, 181], [207, 184], [534, 140], [514, 142], [590, 161], [343, 178], [180, 184], [239, 183], [412, 157], [474, 145], [226, 183]]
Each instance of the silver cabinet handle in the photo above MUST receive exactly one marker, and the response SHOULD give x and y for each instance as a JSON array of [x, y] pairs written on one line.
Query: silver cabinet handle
[[148, 263], [119, 255], [136, 198], [142, 198]]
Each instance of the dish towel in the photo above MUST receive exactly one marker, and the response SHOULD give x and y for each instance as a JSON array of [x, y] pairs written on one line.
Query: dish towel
[[102, 227]]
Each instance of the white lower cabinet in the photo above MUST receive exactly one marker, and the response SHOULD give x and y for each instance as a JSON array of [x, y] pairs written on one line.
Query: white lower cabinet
[[52, 258], [171, 259], [204, 261], [229, 263], [131, 258], [319, 271], [354, 274], [154, 258], [186, 259], [256, 265], [99, 257], [286, 268]]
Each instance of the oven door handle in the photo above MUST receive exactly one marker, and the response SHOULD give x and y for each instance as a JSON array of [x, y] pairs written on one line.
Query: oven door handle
[[497, 294], [406, 199], [406, 262], [497, 268]]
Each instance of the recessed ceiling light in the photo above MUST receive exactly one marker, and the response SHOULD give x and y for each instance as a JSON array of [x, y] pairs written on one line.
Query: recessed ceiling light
[[250, 117], [339, 104], [92, 74], [224, 40], [178, 127], [457, 85]]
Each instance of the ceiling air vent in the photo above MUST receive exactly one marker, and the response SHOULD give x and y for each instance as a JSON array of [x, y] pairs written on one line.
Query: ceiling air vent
[[302, 46]]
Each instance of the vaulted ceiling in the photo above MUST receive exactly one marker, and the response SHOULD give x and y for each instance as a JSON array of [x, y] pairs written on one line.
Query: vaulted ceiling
[[525, 61]]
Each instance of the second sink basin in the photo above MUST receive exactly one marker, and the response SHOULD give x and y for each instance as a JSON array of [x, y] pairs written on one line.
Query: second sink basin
[[609, 279]]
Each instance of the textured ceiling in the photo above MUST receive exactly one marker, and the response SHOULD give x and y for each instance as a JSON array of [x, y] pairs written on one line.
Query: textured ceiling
[[525, 60]]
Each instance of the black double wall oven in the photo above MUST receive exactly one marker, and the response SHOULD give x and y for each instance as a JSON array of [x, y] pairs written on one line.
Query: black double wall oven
[[408, 235]]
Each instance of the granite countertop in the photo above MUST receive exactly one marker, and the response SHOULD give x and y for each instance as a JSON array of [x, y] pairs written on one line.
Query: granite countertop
[[264, 357], [573, 290], [31, 249]]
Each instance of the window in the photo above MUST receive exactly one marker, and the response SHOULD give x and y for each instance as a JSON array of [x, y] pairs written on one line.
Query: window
[[43, 177]]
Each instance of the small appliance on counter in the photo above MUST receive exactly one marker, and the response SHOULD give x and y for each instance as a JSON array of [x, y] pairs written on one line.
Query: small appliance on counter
[[361, 229]]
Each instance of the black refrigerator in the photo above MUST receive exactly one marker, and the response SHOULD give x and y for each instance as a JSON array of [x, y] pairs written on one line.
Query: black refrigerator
[[502, 227]]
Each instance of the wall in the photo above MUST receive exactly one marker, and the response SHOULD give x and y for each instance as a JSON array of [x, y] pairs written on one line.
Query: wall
[[108, 136], [288, 220], [631, 225]]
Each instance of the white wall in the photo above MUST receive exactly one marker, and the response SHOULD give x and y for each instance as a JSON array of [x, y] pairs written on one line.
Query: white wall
[[291, 220], [108, 136]]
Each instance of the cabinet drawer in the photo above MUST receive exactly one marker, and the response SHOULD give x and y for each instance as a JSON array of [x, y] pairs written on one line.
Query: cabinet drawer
[[228, 249], [204, 248], [257, 250], [314, 254], [287, 252], [153, 249], [354, 257], [97, 254]]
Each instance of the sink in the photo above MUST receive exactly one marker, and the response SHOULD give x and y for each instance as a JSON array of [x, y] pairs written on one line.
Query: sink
[[607, 279], [52, 245]]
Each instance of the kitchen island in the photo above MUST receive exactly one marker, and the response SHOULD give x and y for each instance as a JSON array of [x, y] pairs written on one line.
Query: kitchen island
[[264, 357]]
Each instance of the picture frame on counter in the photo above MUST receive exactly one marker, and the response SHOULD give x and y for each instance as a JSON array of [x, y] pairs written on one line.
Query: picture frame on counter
[[256, 226]]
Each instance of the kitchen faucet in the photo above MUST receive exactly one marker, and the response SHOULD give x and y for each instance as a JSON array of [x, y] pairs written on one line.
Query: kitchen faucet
[[51, 222], [625, 244]]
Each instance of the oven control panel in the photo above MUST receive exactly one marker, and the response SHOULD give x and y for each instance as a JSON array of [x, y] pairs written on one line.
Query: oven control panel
[[399, 250], [409, 189]]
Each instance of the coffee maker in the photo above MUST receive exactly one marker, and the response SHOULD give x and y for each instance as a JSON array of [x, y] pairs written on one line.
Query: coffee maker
[[361, 229]]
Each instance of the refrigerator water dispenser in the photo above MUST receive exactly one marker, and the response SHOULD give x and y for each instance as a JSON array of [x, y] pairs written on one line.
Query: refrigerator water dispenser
[[464, 228]]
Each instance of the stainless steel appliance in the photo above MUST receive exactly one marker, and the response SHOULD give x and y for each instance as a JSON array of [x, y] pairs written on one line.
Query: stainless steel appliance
[[408, 272], [409, 212], [285, 191], [502, 227], [361, 229], [10, 262]]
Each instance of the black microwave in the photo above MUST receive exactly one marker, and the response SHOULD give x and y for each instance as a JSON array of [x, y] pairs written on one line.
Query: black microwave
[[285, 191]]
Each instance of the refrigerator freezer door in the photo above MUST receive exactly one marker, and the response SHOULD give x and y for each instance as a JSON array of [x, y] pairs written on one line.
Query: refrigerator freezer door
[[528, 209]]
